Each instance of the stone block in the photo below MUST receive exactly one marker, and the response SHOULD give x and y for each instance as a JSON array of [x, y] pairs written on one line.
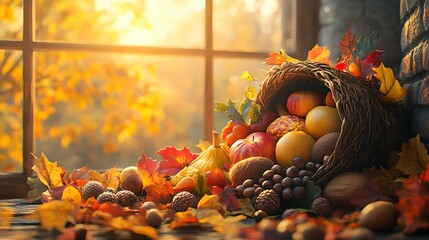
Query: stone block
[[411, 64], [407, 6], [420, 123], [412, 30], [417, 93]]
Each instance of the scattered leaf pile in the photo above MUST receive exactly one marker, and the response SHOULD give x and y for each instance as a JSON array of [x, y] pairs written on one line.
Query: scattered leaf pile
[[405, 181]]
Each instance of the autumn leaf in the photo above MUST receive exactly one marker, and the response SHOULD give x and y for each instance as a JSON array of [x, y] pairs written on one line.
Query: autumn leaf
[[385, 180], [71, 194], [247, 76], [108, 178], [347, 46], [425, 174], [132, 223], [319, 54], [37, 188], [277, 58], [210, 201], [390, 89], [113, 209], [174, 160], [70, 233], [225, 226], [157, 188], [79, 177], [55, 214], [6, 215], [246, 208], [48, 172], [360, 69], [250, 92], [374, 58], [227, 197], [413, 157], [203, 145], [413, 205]]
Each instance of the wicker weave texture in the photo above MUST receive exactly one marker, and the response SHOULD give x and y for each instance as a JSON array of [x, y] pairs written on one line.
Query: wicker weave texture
[[370, 128]]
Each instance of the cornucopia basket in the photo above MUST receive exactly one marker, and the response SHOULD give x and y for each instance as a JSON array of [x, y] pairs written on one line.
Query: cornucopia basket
[[370, 128]]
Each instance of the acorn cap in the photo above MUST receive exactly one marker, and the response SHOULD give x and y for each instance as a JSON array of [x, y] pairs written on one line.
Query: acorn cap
[[268, 201], [107, 196], [126, 198]]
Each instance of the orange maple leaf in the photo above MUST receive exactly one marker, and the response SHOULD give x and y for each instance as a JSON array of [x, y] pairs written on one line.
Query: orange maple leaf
[[174, 160], [108, 178], [319, 54]]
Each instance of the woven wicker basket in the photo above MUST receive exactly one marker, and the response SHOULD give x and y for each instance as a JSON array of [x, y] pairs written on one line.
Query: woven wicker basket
[[370, 128]]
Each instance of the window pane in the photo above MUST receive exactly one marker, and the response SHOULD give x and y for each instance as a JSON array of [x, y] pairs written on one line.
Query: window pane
[[134, 22], [11, 111], [11, 20], [228, 83], [254, 25], [105, 109]]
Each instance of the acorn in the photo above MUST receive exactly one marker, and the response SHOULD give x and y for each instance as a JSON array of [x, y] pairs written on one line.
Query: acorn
[[184, 200], [268, 201], [130, 180], [148, 205], [154, 217], [320, 206], [92, 189], [107, 196], [126, 198]]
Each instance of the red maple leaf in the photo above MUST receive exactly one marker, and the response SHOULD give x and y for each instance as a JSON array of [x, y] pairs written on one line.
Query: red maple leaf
[[157, 188], [227, 197], [174, 160], [374, 58]]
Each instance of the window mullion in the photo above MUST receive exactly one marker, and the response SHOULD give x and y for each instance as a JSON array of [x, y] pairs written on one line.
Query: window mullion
[[208, 87], [29, 90]]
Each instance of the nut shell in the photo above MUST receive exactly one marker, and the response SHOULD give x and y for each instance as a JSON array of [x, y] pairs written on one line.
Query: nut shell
[[126, 198], [184, 200], [285, 124], [107, 196], [92, 189]]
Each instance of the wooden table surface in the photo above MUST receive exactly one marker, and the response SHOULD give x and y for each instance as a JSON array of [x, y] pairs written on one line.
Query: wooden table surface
[[25, 228]]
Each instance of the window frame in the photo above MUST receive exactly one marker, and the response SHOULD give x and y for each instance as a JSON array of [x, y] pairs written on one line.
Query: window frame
[[13, 185]]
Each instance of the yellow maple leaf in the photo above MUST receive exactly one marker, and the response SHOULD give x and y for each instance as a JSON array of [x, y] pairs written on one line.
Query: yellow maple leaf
[[413, 157], [250, 92], [247, 76], [55, 214], [48, 172], [132, 223], [319, 54], [6, 215], [390, 88], [210, 201]]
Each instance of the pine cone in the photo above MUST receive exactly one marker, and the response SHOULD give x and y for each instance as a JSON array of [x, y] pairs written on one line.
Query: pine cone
[[268, 201], [92, 189], [320, 206], [184, 200], [126, 198], [107, 197]]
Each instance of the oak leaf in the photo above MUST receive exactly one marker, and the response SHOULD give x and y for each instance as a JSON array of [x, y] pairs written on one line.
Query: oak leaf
[[174, 160], [48, 172], [390, 89], [347, 46]]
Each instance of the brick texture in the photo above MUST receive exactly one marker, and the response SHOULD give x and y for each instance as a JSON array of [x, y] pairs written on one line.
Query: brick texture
[[407, 6], [412, 30]]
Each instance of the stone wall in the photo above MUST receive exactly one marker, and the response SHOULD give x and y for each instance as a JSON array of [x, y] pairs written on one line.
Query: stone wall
[[414, 69], [403, 26], [363, 17]]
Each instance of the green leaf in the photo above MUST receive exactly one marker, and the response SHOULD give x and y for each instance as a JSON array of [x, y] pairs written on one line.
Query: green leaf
[[245, 107], [365, 44], [221, 107], [201, 184], [255, 112], [37, 188], [233, 113], [312, 191]]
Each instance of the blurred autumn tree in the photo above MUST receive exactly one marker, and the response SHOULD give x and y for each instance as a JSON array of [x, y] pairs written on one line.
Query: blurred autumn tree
[[102, 108]]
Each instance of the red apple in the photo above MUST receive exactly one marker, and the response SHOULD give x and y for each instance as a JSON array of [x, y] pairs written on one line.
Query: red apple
[[257, 144], [329, 101], [267, 118], [299, 103]]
